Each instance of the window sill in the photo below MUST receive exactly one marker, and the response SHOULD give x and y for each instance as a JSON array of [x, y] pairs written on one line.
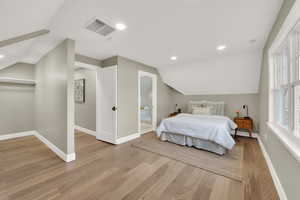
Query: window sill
[[288, 139]]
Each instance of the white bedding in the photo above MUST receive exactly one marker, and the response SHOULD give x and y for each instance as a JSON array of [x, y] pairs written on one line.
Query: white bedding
[[207, 127]]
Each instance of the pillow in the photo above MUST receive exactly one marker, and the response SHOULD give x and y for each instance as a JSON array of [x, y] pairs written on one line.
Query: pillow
[[201, 111]]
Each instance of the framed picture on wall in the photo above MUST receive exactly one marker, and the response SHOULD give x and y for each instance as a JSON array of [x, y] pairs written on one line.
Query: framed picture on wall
[[79, 90]]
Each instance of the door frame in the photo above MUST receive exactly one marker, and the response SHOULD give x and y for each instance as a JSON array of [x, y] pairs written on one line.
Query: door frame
[[94, 68], [154, 99], [98, 107]]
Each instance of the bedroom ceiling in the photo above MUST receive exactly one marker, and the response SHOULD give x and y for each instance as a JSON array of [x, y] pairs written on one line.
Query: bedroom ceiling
[[22, 17], [191, 30]]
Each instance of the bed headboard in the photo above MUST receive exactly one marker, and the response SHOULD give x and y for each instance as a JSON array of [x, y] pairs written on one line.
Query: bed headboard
[[217, 106]]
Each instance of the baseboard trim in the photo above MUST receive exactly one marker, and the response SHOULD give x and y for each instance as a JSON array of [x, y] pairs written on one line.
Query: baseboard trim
[[85, 130], [16, 135], [70, 157], [276, 180], [245, 134], [146, 131], [55, 149], [127, 138]]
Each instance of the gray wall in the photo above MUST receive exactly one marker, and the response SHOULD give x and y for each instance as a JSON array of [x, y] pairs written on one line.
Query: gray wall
[[19, 70], [85, 113], [87, 60], [233, 102], [128, 93], [52, 97], [16, 101], [284, 163], [110, 61]]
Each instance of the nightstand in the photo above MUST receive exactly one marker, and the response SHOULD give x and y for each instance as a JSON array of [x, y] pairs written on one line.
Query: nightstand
[[173, 114], [244, 123]]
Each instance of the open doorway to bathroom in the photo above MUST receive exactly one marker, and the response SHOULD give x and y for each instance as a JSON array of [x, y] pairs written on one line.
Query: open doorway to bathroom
[[147, 102]]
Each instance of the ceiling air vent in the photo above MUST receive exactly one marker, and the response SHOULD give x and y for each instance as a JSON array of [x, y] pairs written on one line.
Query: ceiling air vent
[[100, 27]]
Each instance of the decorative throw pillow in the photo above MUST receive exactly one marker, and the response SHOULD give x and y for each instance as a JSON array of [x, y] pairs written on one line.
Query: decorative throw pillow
[[201, 111]]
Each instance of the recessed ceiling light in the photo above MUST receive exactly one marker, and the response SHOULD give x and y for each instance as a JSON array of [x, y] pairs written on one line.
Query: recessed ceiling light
[[120, 26], [2, 56], [221, 47], [173, 58]]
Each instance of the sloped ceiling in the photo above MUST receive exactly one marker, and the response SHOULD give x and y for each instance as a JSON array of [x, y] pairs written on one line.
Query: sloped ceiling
[[226, 74], [22, 17], [157, 30]]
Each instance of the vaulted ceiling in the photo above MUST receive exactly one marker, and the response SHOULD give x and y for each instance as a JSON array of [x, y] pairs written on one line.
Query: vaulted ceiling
[[156, 30], [22, 17]]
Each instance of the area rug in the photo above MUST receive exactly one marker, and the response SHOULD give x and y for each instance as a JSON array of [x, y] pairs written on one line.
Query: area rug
[[228, 165]]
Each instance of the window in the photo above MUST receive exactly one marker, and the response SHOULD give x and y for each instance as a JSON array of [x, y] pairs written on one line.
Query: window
[[296, 82], [285, 89], [284, 84]]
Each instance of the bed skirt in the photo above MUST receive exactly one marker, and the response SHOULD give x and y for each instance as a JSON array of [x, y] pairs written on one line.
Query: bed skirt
[[195, 142]]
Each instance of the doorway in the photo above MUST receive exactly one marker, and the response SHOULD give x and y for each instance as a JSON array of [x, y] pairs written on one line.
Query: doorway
[[147, 102], [96, 101], [85, 77]]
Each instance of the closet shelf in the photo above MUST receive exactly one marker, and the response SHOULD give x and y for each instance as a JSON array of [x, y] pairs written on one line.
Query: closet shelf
[[17, 81]]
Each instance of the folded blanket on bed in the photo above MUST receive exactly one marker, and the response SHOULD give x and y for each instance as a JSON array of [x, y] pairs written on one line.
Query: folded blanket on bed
[[207, 127]]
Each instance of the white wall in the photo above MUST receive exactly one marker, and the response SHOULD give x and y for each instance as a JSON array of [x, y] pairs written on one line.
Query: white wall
[[228, 74]]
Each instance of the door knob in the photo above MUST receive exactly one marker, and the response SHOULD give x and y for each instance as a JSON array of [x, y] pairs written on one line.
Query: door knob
[[114, 108]]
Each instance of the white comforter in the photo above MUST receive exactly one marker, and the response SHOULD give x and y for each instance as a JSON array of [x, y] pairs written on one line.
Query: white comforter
[[207, 127]]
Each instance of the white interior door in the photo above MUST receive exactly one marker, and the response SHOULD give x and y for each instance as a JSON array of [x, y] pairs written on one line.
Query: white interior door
[[107, 104]]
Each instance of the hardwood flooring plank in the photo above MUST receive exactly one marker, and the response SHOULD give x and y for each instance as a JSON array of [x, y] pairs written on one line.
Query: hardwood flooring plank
[[176, 188], [156, 191], [204, 186], [258, 183], [145, 185]]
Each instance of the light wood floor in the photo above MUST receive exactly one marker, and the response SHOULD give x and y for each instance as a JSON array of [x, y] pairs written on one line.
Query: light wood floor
[[30, 171]]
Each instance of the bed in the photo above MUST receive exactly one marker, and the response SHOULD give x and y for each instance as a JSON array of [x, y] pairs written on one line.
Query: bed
[[208, 131]]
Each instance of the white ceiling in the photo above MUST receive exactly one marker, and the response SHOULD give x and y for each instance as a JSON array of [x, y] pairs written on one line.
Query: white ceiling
[[22, 17], [227, 74], [189, 29]]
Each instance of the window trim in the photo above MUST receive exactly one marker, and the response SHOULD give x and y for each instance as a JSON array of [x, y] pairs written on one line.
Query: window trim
[[289, 138], [292, 145]]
